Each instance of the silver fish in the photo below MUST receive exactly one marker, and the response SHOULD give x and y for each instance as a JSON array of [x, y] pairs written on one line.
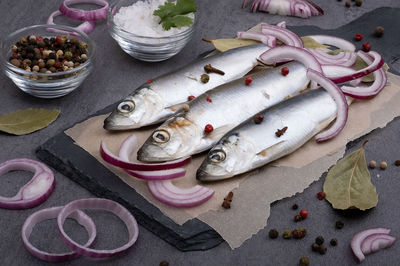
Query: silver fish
[[155, 101], [251, 145], [224, 108]]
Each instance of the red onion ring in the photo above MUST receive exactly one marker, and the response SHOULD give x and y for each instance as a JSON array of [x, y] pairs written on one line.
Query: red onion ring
[[87, 26], [169, 194], [368, 243], [84, 15], [336, 71], [281, 24], [338, 97], [379, 83], [300, 8], [381, 243], [258, 36], [33, 193], [346, 59], [375, 65], [284, 35], [98, 204], [358, 238], [126, 149], [52, 213], [126, 164], [334, 41]]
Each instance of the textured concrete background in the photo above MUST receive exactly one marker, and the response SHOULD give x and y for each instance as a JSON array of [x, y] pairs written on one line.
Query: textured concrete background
[[116, 74]]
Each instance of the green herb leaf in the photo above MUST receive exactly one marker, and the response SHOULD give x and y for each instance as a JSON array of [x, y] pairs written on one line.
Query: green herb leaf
[[348, 183], [172, 14], [26, 121]]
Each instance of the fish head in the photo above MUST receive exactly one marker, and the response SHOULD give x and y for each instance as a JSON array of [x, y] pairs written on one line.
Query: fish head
[[232, 155], [141, 108], [175, 138]]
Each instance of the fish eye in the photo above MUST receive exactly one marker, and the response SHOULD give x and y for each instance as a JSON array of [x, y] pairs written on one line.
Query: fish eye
[[161, 136], [217, 156], [126, 106]]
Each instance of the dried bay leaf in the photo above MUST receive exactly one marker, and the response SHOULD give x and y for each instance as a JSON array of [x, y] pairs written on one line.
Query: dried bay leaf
[[224, 45], [310, 43], [348, 183], [26, 121]]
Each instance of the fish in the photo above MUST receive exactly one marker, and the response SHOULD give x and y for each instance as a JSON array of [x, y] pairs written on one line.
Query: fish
[[156, 100], [250, 145], [223, 108]]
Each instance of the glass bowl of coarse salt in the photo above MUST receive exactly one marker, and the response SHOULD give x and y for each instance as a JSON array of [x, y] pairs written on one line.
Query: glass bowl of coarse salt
[[139, 33]]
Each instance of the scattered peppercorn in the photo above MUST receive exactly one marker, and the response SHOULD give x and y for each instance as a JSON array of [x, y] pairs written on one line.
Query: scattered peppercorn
[[298, 218], [347, 4], [303, 214], [359, 2], [185, 107], [285, 71], [315, 247], [287, 234], [296, 234], [295, 207], [227, 201], [205, 78], [303, 231], [321, 195], [383, 165], [164, 263], [273, 233], [322, 249], [209, 69], [191, 97], [339, 224], [304, 261], [208, 128], [258, 118], [280, 132], [248, 80], [149, 81], [366, 47], [333, 242], [358, 37], [208, 99], [372, 164], [319, 240], [379, 31], [397, 162]]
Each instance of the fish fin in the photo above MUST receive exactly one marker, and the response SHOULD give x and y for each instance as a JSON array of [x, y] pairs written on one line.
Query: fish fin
[[218, 132], [265, 152]]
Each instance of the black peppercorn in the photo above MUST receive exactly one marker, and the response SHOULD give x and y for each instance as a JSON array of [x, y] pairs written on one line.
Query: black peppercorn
[[304, 261], [295, 206], [359, 2], [298, 218], [333, 242], [339, 224], [297, 234], [287, 234], [322, 249], [315, 247], [303, 231], [273, 233], [164, 263], [379, 31], [319, 240]]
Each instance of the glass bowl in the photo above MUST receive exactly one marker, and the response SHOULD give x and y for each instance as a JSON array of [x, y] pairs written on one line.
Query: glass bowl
[[46, 85], [150, 49]]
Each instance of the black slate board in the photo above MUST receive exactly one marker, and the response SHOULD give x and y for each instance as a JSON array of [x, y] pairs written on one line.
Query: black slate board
[[61, 153]]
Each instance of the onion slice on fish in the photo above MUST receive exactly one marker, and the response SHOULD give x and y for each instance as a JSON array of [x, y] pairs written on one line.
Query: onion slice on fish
[[335, 71], [286, 36], [358, 239], [258, 36], [126, 164], [375, 242], [344, 58], [169, 194], [36, 191], [126, 149], [361, 92], [338, 97], [334, 41]]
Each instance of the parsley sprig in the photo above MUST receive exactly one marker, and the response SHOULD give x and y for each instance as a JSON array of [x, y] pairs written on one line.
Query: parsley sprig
[[173, 14]]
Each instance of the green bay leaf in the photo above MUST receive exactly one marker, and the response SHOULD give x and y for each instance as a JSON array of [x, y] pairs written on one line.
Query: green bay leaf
[[26, 121], [348, 183]]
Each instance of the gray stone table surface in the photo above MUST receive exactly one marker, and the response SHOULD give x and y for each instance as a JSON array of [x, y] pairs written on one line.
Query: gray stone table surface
[[115, 75]]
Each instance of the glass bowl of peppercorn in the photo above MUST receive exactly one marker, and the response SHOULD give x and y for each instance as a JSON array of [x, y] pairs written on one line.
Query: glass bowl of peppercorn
[[47, 61]]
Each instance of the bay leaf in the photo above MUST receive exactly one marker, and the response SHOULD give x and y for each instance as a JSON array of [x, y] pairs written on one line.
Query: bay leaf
[[224, 45], [312, 44], [26, 121], [348, 183]]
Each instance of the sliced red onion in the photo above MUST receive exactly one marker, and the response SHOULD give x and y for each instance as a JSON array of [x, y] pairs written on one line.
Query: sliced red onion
[[375, 65], [338, 97], [98, 204], [169, 194], [286, 36], [334, 41], [358, 238], [281, 24], [299, 8], [52, 213], [369, 242], [346, 59], [258, 36], [335, 71], [363, 92], [36, 191], [126, 149], [126, 164], [87, 26], [84, 15]]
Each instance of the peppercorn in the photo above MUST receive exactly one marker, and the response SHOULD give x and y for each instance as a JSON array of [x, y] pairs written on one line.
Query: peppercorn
[[303, 231], [208, 128], [35, 68], [258, 118], [43, 70], [315, 247], [379, 31], [74, 40], [303, 214], [397, 162], [68, 55], [76, 64], [372, 164], [333, 242], [322, 249], [14, 48], [347, 4], [273, 233], [26, 62], [296, 234], [359, 2], [298, 218], [41, 64], [285, 71], [164, 263], [358, 37], [321, 195], [208, 99], [52, 56], [383, 165], [304, 261], [50, 62], [319, 240], [366, 47], [15, 62], [205, 78], [84, 57], [248, 80], [32, 39], [191, 97], [82, 45], [287, 234], [52, 69], [339, 224], [295, 206], [23, 41]]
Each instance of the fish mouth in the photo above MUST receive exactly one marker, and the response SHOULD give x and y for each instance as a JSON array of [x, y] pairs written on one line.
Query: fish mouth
[[204, 176], [144, 155], [110, 123]]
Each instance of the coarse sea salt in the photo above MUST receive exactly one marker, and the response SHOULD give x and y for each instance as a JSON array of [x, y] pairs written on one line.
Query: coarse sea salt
[[139, 19]]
